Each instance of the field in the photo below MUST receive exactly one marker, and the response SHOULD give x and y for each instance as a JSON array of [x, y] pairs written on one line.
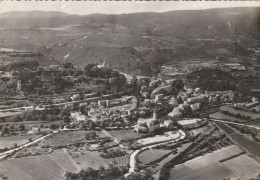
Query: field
[[151, 155], [221, 116], [86, 159], [248, 144], [124, 134], [251, 146], [65, 138], [213, 172], [244, 166], [216, 156], [31, 168], [9, 141]]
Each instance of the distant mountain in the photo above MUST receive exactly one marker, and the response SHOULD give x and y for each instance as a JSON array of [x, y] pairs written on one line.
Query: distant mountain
[[136, 43]]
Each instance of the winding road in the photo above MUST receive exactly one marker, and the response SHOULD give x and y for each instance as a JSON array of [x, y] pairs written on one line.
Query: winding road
[[135, 153]]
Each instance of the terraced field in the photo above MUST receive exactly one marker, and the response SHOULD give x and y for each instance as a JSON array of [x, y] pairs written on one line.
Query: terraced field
[[32, 168], [63, 159]]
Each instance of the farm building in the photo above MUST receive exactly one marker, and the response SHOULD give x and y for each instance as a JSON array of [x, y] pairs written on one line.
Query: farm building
[[189, 123]]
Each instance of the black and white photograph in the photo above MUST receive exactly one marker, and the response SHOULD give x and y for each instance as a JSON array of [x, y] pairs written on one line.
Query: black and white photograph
[[129, 90]]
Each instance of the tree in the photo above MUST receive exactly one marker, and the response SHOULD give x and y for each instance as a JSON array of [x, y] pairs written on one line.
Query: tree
[[102, 125], [5, 130], [21, 127], [66, 119], [53, 126], [68, 65], [92, 125]]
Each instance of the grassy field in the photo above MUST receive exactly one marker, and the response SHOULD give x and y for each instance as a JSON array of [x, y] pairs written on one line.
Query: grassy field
[[213, 172], [124, 134], [86, 159], [9, 141], [160, 138], [244, 166], [216, 156], [151, 155], [221, 116]]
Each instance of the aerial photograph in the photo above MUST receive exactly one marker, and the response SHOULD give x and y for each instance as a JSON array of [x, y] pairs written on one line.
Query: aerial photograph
[[109, 90]]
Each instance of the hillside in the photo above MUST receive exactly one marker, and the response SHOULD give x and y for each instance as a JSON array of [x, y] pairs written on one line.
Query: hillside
[[135, 43]]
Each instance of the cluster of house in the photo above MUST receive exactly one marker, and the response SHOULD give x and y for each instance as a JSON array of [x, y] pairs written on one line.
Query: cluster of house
[[252, 106], [109, 111]]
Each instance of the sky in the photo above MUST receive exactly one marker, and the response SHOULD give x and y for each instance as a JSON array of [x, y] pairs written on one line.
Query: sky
[[115, 7]]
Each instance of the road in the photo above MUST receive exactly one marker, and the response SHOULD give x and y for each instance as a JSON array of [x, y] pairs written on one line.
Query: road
[[135, 153], [241, 124], [3, 154]]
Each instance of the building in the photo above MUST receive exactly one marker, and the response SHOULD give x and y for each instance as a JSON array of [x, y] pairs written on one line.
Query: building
[[158, 97], [149, 125], [168, 124], [195, 107], [78, 116], [175, 113], [37, 130], [189, 123], [195, 99]]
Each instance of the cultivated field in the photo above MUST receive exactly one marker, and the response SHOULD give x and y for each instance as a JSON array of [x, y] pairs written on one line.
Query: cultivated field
[[9, 141], [65, 138], [31, 168], [216, 156], [244, 166], [221, 116], [213, 172], [151, 155], [86, 159]]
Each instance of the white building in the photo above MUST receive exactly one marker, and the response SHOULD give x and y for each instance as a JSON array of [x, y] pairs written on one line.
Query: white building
[[175, 113], [189, 123], [151, 124]]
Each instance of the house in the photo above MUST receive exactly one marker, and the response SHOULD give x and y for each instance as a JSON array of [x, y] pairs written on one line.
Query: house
[[194, 107], [149, 125], [256, 109], [183, 106], [102, 103], [111, 103], [175, 113], [158, 97], [78, 116], [173, 102], [189, 123], [75, 97], [37, 130], [195, 99], [168, 124]]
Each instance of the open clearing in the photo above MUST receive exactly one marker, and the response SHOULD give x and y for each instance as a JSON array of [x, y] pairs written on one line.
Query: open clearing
[[160, 138], [243, 166], [151, 155], [213, 172], [9, 141], [124, 134], [216, 156]]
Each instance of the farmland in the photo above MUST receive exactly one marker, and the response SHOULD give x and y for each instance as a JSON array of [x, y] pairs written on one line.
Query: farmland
[[243, 166], [213, 172], [65, 138], [9, 141], [250, 145], [221, 116], [151, 155], [86, 159], [31, 168]]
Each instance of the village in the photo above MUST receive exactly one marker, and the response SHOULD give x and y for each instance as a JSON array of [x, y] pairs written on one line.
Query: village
[[101, 118]]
